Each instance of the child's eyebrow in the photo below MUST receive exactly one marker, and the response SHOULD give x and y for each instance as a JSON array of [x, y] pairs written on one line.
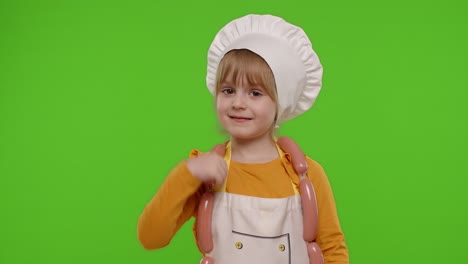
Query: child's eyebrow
[[227, 83]]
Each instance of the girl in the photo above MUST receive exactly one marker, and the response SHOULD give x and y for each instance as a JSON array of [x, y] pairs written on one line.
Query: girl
[[262, 71]]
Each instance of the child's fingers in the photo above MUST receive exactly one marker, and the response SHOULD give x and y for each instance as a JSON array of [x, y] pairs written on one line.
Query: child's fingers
[[224, 168], [221, 172], [219, 149]]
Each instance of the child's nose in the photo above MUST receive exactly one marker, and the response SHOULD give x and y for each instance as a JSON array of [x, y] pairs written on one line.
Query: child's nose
[[238, 101]]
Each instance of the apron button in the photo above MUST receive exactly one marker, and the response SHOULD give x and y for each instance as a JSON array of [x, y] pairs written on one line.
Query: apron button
[[282, 247], [239, 245]]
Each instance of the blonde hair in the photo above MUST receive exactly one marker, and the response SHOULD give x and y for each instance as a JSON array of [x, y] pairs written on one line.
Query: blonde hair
[[243, 63]]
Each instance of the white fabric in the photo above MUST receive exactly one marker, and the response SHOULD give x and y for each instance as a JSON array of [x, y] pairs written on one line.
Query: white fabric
[[262, 225], [287, 50]]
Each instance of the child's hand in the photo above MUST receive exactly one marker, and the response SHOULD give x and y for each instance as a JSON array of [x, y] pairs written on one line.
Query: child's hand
[[209, 168]]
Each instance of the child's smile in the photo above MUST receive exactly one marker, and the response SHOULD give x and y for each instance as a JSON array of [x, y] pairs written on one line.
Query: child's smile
[[240, 118]]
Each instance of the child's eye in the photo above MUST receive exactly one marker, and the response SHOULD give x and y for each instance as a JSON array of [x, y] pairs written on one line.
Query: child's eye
[[227, 91], [256, 93]]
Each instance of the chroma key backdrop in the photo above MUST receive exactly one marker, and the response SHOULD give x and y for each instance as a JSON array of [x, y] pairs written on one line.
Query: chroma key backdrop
[[99, 100]]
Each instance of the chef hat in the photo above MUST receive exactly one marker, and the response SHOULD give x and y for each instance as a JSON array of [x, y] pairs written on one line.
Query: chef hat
[[286, 49]]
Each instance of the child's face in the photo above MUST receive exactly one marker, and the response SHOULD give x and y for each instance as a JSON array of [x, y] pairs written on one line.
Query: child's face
[[246, 111]]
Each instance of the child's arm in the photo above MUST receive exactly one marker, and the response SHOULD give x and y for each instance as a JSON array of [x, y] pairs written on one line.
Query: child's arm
[[330, 237], [178, 197], [174, 203]]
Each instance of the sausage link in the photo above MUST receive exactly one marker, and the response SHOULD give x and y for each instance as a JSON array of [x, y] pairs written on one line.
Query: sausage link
[[309, 208], [207, 260], [205, 211], [315, 254], [298, 158]]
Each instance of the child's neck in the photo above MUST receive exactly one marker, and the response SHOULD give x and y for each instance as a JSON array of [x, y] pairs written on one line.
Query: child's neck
[[260, 150]]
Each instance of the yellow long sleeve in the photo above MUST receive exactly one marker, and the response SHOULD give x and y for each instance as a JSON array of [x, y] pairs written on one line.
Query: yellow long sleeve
[[330, 237], [174, 203]]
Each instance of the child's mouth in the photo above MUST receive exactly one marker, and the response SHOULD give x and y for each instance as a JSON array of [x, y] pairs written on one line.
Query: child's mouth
[[240, 118]]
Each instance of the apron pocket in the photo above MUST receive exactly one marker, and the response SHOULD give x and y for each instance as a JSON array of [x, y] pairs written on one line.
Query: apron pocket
[[249, 248]]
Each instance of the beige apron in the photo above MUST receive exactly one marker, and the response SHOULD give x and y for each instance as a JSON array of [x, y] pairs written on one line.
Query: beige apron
[[249, 229]]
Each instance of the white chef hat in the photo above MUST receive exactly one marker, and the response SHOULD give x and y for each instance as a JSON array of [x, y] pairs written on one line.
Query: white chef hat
[[286, 49]]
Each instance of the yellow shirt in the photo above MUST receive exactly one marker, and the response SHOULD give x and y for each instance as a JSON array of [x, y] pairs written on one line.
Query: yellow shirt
[[177, 201]]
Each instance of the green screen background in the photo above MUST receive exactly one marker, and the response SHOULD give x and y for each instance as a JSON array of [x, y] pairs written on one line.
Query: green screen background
[[99, 100]]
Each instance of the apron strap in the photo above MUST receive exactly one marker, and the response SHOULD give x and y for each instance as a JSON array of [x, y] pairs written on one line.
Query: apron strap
[[227, 158]]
